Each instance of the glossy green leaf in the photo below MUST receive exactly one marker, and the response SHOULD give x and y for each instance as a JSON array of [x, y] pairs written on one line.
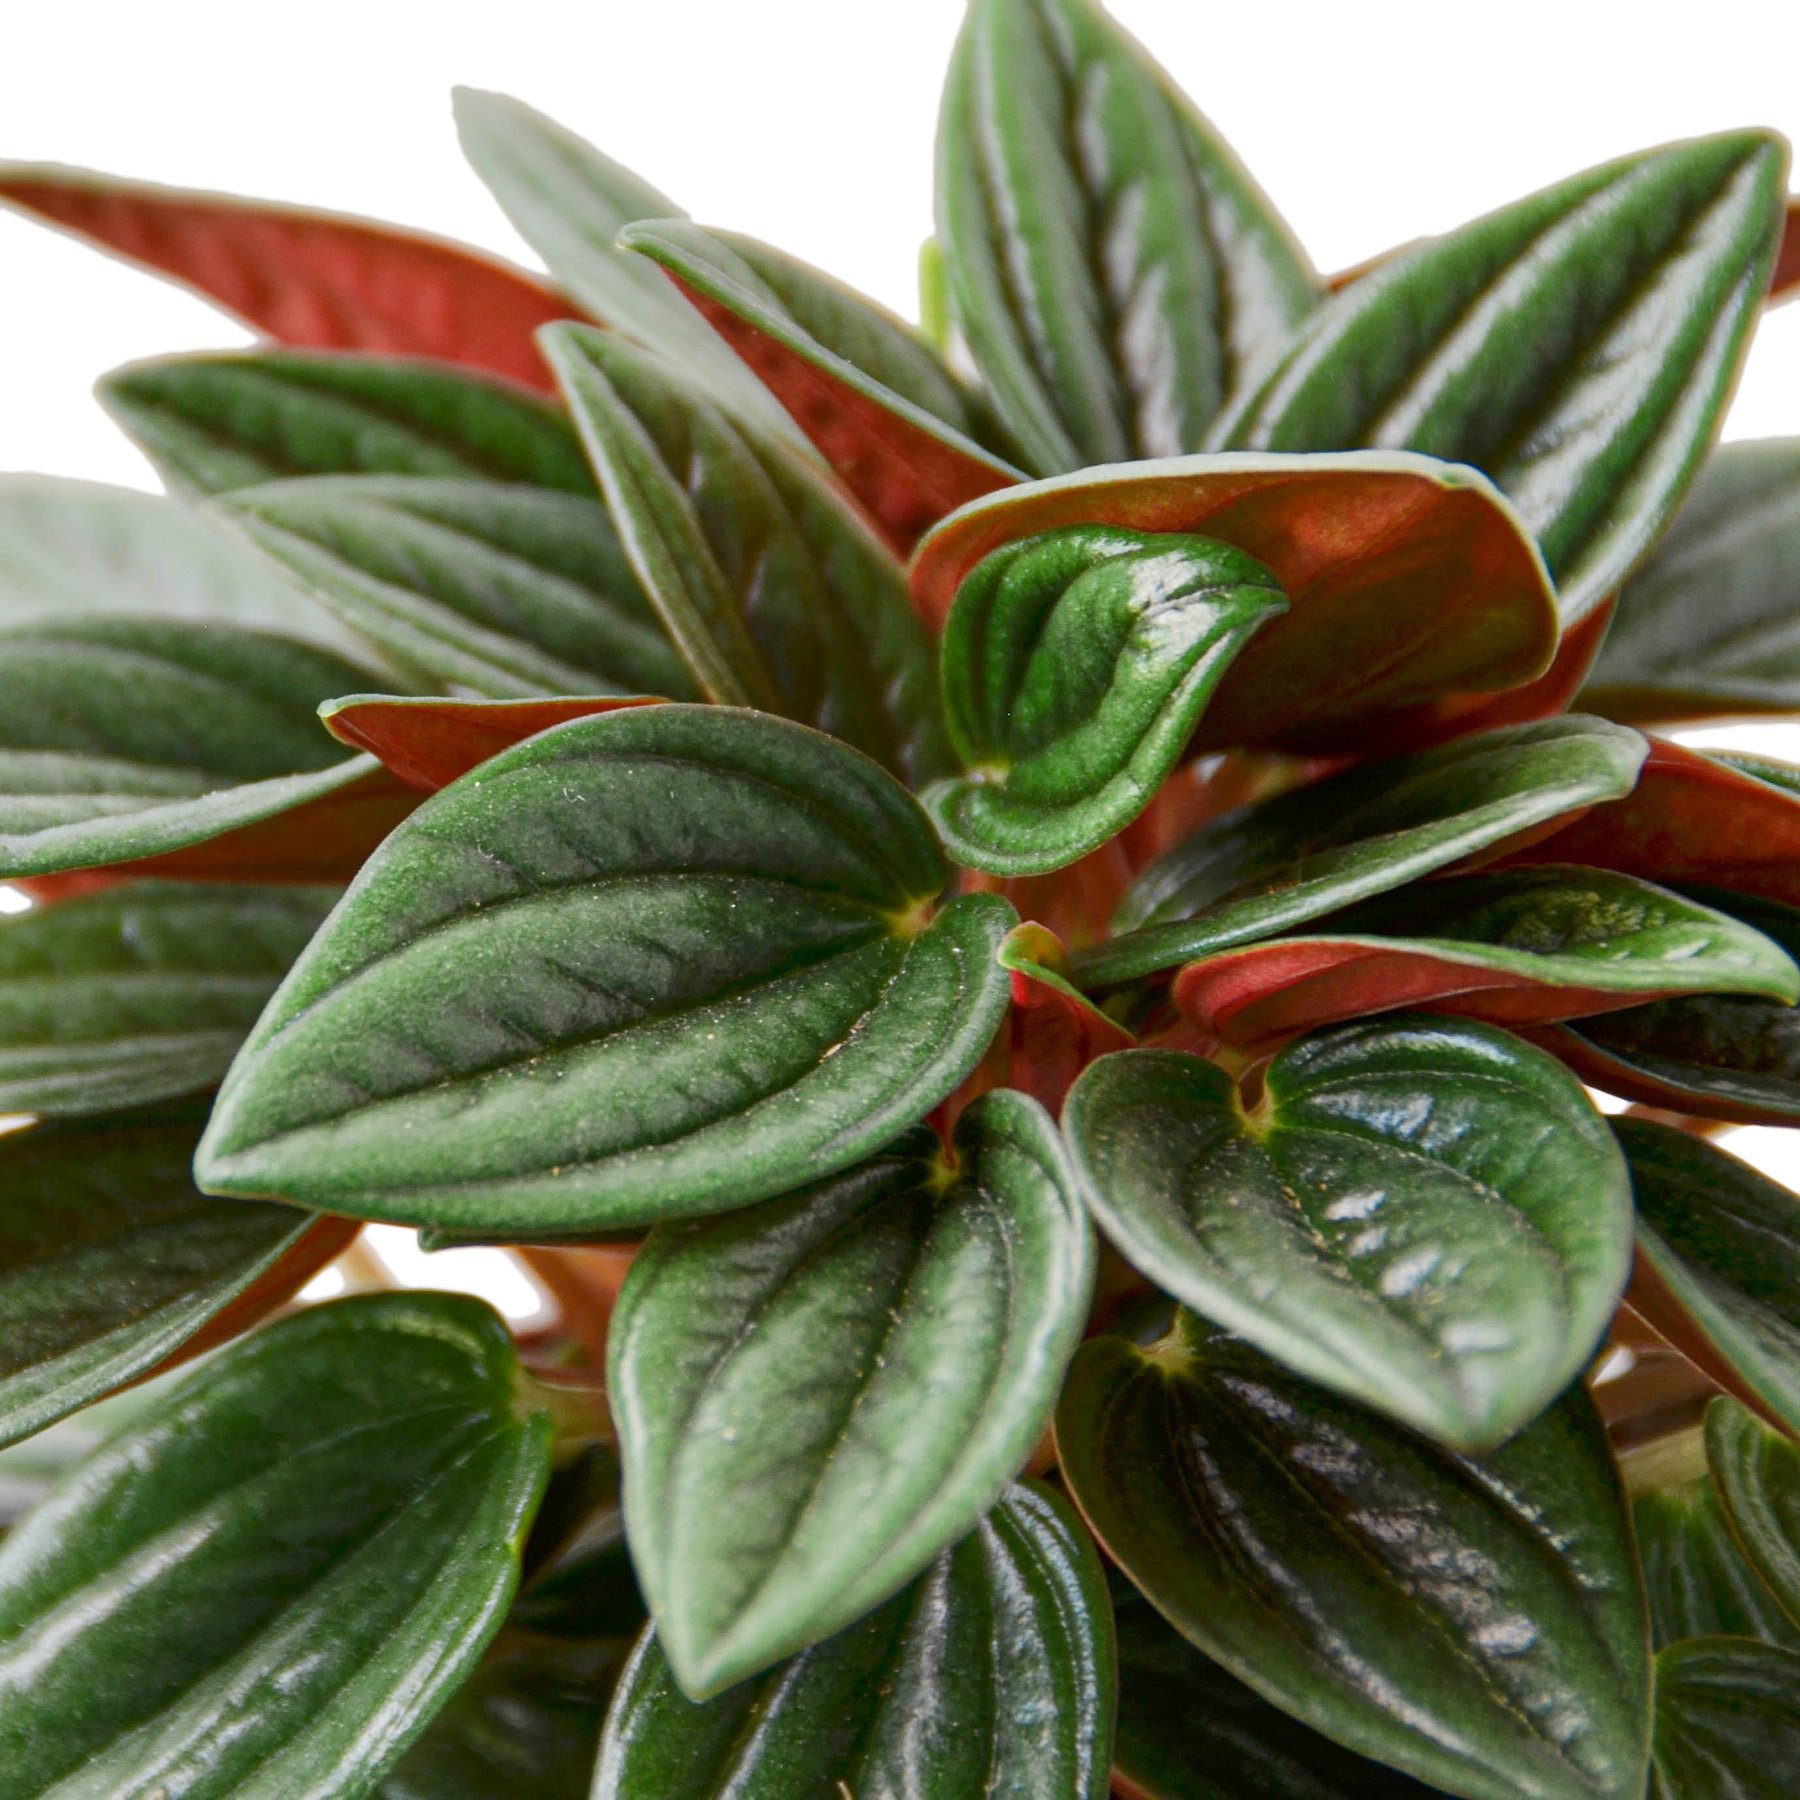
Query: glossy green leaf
[[993, 1674], [30, 1468], [1524, 945], [496, 588], [1725, 1243], [568, 201], [140, 993], [110, 1259], [1114, 269], [1579, 346], [1758, 1472], [1267, 868], [774, 590], [1727, 1721], [1074, 666], [1425, 1215], [909, 439], [658, 963], [1477, 1624], [121, 738], [818, 1397], [1188, 1730], [1707, 625], [214, 423], [267, 1586]]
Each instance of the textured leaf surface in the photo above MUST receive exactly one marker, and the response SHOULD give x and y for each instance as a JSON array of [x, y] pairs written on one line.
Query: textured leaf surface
[[214, 423], [1477, 1624], [1426, 1216], [878, 402], [658, 963], [1579, 345], [771, 586], [110, 1259], [1723, 1247], [1521, 946], [314, 280], [1758, 1472], [1708, 624], [139, 993], [1413, 575], [1727, 1721], [499, 589], [992, 1674], [1075, 666], [1267, 868], [267, 1586], [1114, 269], [818, 1397]]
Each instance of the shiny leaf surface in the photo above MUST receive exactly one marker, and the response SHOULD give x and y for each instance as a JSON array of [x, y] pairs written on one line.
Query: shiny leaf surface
[[1476, 1624], [817, 1398], [1114, 269], [254, 1619], [658, 963], [1074, 667], [1267, 868], [992, 1674], [1426, 1216], [1727, 1721]]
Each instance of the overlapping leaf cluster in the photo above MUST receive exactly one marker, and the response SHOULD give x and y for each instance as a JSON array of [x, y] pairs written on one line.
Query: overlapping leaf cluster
[[1050, 884]]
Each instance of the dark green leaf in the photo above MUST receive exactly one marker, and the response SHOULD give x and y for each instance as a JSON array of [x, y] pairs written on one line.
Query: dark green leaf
[[110, 1259], [140, 993], [993, 1674], [214, 423], [267, 1586], [496, 588], [1425, 1215], [1758, 1472], [658, 963], [30, 1468], [1075, 665], [1727, 1721], [773, 589], [817, 1398], [1579, 345], [1268, 868], [123, 738], [1477, 1624], [1725, 1243], [1707, 625], [1115, 270]]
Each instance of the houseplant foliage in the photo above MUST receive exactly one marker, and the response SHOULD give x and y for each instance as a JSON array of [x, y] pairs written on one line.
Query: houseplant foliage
[[1048, 884]]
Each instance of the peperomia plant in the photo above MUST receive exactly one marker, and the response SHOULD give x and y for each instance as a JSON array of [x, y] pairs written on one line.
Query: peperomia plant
[[1010, 917]]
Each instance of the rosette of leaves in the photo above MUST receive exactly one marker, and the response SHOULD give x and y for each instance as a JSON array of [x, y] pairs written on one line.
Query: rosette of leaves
[[1048, 883]]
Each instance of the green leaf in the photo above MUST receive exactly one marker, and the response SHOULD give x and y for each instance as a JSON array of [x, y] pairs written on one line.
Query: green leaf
[[123, 738], [1188, 1730], [1074, 666], [498, 589], [817, 1398], [1727, 1721], [110, 1259], [1758, 1472], [569, 202], [1521, 946], [1265, 869], [992, 1674], [879, 402], [214, 423], [1427, 1216], [1579, 346], [773, 589], [1706, 626], [1409, 581], [1115, 271], [654, 964], [1477, 1624], [267, 1586], [140, 993], [1725, 1244]]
